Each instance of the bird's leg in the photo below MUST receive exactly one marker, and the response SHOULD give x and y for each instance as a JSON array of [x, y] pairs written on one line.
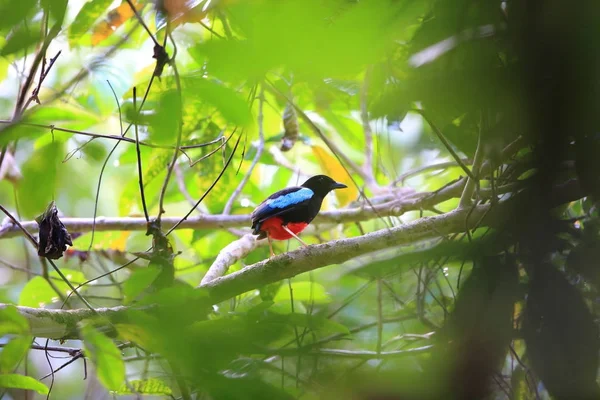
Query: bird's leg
[[270, 245], [294, 235]]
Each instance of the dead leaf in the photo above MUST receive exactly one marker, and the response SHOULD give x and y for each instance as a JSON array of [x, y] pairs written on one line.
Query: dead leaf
[[113, 21], [54, 237]]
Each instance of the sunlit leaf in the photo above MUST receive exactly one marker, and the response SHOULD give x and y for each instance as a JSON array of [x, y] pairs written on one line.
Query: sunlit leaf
[[37, 188], [21, 39], [136, 334], [107, 358], [303, 291], [38, 292], [89, 13], [15, 381], [231, 106], [165, 123]]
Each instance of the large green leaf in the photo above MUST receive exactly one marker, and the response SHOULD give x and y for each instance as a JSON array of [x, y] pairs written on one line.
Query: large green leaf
[[21, 39], [107, 358], [37, 188], [139, 280], [303, 291], [15, 381], [12, 13], [38, 292], [165, 124], [64, 116], [231, 106], [12, 322], [13, 352]]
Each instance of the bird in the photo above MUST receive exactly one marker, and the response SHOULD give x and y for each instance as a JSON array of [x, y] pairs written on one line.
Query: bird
[[284, 214]]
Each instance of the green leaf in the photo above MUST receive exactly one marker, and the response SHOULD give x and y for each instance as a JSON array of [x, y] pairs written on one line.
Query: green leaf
[[148, 386], [13, 352], [16, 381], [11, 14], [57, 9], [231, 106], [110, 367], [11, 321], [303, 291], [89, 13], [37, 188], [65, 116], [38, 292], [24, 37], [139, 280], [316, 323], [167, 120]]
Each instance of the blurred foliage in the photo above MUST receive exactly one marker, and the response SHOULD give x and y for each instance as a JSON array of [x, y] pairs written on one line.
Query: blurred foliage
[[382, 95]]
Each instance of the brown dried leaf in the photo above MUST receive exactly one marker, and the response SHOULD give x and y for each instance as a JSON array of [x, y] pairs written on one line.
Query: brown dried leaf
[[54, 237], [114, 20]]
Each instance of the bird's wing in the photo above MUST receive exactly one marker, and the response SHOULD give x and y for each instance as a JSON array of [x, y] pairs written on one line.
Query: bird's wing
[[279, 203]]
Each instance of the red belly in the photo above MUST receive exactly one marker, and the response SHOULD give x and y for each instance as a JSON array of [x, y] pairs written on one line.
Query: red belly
[[275, 230]]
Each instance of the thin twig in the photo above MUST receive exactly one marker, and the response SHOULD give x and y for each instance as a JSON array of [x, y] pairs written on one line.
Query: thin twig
[[465, 198], [141, 21], [138, 154], [446, 144], [163, 191], [364, 116], [259, 151], [185, 217], [43, 75]]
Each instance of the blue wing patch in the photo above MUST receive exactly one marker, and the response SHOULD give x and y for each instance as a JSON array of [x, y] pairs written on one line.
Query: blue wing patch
[[290, 199]]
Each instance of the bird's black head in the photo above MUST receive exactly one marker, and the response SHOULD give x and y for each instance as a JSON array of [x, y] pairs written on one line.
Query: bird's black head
[[322, 184]]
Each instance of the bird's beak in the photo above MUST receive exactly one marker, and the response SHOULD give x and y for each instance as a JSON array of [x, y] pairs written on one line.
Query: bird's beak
[[338, 185]]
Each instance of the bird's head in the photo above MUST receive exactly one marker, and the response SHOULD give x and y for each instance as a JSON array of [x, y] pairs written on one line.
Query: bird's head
[[322, 184]]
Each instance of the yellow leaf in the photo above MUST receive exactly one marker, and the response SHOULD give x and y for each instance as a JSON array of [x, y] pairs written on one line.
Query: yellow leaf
[[120, 242], [332, 167], [114, 20]]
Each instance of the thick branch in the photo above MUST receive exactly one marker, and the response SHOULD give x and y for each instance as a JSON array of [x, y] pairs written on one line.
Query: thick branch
[[61, 324], [306, 259]]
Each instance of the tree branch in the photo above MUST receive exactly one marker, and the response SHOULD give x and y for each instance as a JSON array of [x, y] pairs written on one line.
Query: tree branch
[[61, 324], [416, 201]]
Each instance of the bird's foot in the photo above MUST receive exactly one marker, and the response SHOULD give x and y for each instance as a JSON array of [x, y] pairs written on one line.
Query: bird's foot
[[294, 235]]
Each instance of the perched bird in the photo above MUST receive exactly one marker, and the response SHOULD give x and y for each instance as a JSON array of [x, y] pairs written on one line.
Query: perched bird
[[287, 212]]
